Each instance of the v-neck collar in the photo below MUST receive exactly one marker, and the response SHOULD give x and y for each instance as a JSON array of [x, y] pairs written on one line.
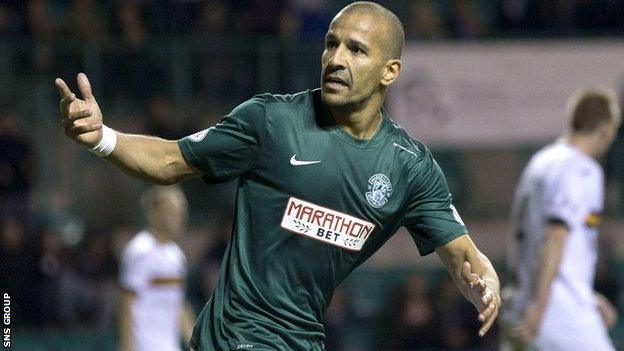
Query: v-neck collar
[[326, 120]]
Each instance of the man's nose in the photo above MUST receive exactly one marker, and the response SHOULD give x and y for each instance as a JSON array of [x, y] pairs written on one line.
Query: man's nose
[[338, 59]]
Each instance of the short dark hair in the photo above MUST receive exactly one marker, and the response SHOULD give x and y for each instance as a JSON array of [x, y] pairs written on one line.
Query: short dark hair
[[589, 108], [396, 41]]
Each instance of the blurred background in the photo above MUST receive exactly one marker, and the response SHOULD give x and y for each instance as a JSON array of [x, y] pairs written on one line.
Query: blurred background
[[485, 84]]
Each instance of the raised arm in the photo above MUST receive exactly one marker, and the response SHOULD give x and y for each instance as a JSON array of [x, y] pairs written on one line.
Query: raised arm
[[474, 276], [149, 158]]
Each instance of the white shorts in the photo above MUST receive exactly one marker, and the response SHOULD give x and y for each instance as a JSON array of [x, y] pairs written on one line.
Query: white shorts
[[567, 327]]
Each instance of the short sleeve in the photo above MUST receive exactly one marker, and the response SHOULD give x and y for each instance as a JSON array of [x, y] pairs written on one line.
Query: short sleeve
[[132, 273], [431, 218], [230, 148], [568, 194]]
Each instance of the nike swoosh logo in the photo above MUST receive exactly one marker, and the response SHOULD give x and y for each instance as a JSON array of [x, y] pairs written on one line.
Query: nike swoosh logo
[[295, 162]]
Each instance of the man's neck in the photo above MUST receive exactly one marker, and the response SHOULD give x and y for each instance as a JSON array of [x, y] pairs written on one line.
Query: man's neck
[[159, 235], [361, 122], [584, 143]]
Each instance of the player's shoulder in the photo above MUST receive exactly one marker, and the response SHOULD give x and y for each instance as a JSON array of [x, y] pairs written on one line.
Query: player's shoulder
[[562, 160], [176, 250], [412, 150], [581, 171], [141, 244], [267, 105], [415, 159], [295, 100], [575, 161]]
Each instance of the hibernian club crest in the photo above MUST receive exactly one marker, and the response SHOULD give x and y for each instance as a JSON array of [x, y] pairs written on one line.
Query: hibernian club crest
[[379, 190]]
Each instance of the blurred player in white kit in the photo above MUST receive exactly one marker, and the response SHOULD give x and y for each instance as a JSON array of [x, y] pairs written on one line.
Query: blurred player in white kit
[[556, 212], [154, 314]]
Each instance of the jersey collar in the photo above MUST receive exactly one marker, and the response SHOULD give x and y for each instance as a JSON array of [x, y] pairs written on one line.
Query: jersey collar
[[325, 120]]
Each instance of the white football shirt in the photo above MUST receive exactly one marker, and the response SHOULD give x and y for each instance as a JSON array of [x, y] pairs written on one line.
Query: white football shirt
[[155, 272], [560, 184]]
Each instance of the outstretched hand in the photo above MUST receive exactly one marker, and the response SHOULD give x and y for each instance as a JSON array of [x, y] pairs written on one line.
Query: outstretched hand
[[484, 297], [81, 119]]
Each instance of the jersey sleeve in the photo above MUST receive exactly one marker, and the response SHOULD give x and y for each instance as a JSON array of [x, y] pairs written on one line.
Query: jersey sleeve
[[229, 148], [431, 218], [133, 276], [567, 194]]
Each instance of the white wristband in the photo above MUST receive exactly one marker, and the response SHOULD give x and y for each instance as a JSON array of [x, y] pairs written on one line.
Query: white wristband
[[107, 143]]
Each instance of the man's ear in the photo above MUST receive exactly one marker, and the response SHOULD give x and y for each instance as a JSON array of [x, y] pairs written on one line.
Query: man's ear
[[391, 71]]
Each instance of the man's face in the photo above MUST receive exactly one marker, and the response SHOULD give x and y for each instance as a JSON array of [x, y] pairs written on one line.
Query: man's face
[[170, 215], [353, 60]]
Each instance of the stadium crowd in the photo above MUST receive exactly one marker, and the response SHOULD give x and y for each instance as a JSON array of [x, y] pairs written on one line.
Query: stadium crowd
[[131, 25]]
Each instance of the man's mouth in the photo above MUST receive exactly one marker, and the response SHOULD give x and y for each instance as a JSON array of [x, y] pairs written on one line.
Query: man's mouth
[[335, 82]]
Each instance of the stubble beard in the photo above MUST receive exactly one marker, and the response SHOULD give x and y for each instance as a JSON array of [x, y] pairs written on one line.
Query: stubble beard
[[338, 101]]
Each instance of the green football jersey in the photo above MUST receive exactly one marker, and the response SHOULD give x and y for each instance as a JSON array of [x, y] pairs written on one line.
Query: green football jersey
[[313, 203]]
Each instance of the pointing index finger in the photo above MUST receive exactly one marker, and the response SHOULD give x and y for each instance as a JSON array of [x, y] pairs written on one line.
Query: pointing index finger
[[62, 87]]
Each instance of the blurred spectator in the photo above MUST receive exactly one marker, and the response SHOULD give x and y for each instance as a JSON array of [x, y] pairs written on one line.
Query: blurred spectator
[[62, 294], [602, 15], [559, 14], [85, 21], [16, 166], [299, 18], [162, 121], [233, 75], [42, 29], [130, 24], [226, 77], [172, 17], [80, 281], [337, 319], [512, 14], [136, 75], [91, 288], [457, 324], [306, 19], [257, 17], [12, 19], [213, 19], [425, 21], [52, 263], [412, 320], [19, 276], [467, 21], [559, 17], [209, 267], [289, 26], [153, 311]]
